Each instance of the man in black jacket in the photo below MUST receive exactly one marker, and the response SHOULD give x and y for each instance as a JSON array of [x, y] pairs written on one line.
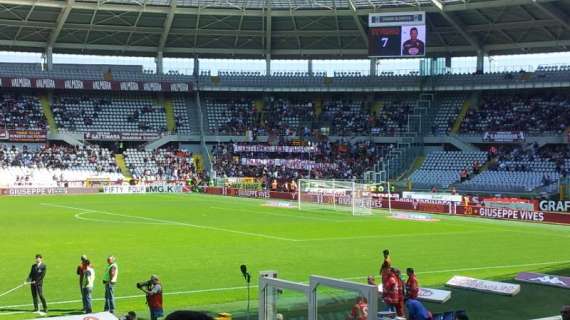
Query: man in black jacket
[[36, 279]]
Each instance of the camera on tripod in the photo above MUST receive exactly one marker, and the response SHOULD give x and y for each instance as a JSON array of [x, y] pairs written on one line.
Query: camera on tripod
[[144, 285]]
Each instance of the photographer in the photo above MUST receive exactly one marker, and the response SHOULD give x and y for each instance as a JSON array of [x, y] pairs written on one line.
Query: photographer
[[153, 290]]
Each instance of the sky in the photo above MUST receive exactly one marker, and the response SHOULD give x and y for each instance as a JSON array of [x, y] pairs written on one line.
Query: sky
[[399, 66]]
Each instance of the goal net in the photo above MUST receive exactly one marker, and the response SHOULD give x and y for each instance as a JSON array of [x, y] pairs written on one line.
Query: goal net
[[335, 195]]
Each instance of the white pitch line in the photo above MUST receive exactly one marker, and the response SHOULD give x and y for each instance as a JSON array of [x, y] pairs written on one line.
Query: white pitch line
[[131, 297], [176, 223], [404, 235], [79, 216]]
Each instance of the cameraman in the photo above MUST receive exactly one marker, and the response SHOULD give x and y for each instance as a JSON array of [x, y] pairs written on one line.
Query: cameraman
[[153, 291]]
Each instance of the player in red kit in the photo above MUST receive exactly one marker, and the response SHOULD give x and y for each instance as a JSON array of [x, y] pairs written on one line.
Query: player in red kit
[[412, 285]]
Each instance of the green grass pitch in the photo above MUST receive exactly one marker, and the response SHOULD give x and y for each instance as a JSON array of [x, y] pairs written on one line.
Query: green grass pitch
[[196, 244]]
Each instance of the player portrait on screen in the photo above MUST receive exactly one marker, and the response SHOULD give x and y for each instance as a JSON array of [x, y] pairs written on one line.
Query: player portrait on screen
[[414, 45]]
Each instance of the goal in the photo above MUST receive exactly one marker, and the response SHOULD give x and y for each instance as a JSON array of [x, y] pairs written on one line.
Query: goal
[[338, 195]]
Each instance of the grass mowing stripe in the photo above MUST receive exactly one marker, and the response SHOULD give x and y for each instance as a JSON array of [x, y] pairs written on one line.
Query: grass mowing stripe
[[404, 235], [536, 264], [174, 223], [282, 215], [12, 313]]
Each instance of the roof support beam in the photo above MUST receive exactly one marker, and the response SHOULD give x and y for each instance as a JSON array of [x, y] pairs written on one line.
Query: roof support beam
[[134, 26], [178, 52], [337, 26], [295, 33], [456, 24], [558, 15], [268, 38], [196, 30], [25, 20], [61, 18], [295, 29], [356, 18], [91, 24], [259, 12], [239, 29], [166, 27]]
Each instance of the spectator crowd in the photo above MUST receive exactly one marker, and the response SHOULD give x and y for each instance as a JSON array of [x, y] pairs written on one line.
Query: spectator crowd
[[327, 160], [19, 112], [535, 114]]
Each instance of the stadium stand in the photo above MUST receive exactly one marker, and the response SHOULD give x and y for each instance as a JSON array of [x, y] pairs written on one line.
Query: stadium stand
[[230, 117], [109, 114], [181, 115], [542, 113], [117, 113], [521, 168], [340, 160], [160, 164], [449, 106], [21, 112], [443, 168], [47, 165], [386, 115]]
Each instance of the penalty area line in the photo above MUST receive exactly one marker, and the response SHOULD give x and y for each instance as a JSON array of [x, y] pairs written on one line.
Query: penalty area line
[[170, 222]]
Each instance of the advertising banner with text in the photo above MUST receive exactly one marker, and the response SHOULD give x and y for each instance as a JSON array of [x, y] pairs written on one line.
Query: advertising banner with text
[[103, 85]]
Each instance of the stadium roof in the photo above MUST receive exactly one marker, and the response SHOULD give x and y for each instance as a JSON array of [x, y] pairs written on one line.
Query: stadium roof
[[280, 28]]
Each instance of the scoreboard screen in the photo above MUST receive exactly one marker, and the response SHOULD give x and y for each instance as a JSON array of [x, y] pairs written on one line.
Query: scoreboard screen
[[397, 34]]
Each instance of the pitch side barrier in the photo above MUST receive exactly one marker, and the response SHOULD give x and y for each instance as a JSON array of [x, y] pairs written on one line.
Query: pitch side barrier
[[419, 205]]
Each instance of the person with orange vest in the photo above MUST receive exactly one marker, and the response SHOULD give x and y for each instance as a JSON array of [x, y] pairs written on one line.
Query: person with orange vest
[[154, 298], [412, 285]]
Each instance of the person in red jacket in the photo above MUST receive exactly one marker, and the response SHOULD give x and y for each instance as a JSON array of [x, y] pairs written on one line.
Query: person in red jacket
[[359, 310], [400, 307], [391, 291], [412, 285]]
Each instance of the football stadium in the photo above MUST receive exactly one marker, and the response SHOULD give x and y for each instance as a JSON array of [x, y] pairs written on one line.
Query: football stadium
[[285, 160]]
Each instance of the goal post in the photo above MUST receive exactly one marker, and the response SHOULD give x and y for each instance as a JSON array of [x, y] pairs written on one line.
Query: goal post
[[337, 195]]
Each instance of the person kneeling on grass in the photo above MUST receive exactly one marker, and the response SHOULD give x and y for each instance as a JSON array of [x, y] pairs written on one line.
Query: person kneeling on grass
[[154, 298]]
